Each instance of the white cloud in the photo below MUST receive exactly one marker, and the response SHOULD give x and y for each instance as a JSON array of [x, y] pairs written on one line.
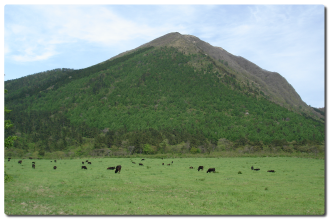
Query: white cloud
[[27, 57], [6, 49]]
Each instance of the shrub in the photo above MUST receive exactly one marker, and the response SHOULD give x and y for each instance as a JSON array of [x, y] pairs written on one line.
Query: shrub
[[78, 153], [148, 149], [194, 150], [42, 152], [8, 178], [288, 149]]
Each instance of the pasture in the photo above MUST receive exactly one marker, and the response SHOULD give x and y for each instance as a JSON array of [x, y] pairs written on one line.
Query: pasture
[[296, 188]]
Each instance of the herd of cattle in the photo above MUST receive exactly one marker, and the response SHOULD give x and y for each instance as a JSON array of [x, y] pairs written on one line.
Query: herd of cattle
[[118, 168]]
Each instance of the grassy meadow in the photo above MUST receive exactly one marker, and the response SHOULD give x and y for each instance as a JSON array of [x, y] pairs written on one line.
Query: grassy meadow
[[296, 188]]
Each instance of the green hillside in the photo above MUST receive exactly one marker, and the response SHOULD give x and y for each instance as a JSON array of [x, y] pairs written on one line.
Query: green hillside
[[154, 96]]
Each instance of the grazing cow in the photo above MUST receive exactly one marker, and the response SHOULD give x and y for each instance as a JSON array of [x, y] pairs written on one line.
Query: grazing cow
[[8, 159], [83, 162], [33, 166], [55, 161], [86, 160], [200, 168], [55, 167], [211, 170], [140, 164], [118, 169], [89, 162], [20, 162], [33, 162], [256, 169], [142, 159], [84, 167], [162, 163], [111, 168], [272, 171], [172, 161], [252, 168], [133, 162], [191, 168]]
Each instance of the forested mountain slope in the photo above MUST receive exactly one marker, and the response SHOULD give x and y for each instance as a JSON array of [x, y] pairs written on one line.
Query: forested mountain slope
[[270, 83], [155, 95]]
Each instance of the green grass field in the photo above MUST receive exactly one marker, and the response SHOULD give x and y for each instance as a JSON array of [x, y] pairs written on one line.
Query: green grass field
[[296, 188]]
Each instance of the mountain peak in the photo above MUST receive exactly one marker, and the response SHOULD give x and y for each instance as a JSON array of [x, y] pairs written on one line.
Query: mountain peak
[[271, 84]]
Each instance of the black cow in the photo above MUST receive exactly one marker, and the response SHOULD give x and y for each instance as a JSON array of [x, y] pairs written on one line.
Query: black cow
[[211, 170], [89, 162], [272, 171], [20, 162], [142, 159], [33, 162], [111, 168], [55, 161], [200, 168], [140, 164], [9, 159], [83, 162], [84, 167], [86, 160], [256, 169], [33, 166], [162, 163], [191, 168], [252, 168], [55, 167], [172, 161], [169, 164], [118, 169]]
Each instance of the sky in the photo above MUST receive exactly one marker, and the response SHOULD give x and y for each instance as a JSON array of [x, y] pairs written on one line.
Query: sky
[[287, 39]]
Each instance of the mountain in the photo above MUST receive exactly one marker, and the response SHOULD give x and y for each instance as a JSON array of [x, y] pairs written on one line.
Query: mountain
[[171, 90], [271, 84]]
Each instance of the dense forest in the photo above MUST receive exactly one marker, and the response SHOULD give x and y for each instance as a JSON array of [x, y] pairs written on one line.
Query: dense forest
[[147, 102]]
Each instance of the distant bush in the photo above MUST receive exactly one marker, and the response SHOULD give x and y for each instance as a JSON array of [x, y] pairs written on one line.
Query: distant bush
[[8, 178], [288, 149], [194, 150], [148, 149], [42, 152]]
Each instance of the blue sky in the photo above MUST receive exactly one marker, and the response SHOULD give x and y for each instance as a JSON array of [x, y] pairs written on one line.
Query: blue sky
[[288, 39]]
